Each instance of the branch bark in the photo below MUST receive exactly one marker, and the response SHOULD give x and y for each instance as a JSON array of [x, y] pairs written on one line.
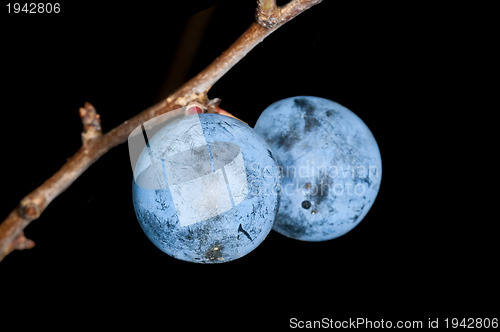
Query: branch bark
[[269, 17]]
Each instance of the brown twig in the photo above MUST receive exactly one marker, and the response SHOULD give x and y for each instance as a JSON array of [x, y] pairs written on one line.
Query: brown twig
[[267, 13], [91, 123], [95, 144]]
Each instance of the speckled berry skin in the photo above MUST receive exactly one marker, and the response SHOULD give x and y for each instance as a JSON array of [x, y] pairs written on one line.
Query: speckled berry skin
[[331, 166], [212, 202]]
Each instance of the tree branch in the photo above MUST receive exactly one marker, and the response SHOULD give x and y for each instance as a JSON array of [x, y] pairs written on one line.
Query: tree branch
[[269, 17], [267, 13]]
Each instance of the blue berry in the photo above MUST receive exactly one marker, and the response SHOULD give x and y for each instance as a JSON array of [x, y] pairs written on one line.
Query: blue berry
[[206, 189], [330, 162]]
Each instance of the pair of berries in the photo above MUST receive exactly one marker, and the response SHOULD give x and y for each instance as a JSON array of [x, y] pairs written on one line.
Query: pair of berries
[[208, 188]]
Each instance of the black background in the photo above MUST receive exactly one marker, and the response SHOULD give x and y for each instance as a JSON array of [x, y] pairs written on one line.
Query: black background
[[425, 250]]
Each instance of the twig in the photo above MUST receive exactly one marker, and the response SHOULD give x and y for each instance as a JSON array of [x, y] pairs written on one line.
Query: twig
[[95, 144], [267, 13], [91, 123]]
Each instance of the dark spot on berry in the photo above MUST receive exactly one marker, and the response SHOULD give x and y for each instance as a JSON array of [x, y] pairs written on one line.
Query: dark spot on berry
[[306, 205], [214, 253], [290, 226], [286, 141], [331, 113], [308, 108], [304, 104], [270, 154], [240, 229]]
